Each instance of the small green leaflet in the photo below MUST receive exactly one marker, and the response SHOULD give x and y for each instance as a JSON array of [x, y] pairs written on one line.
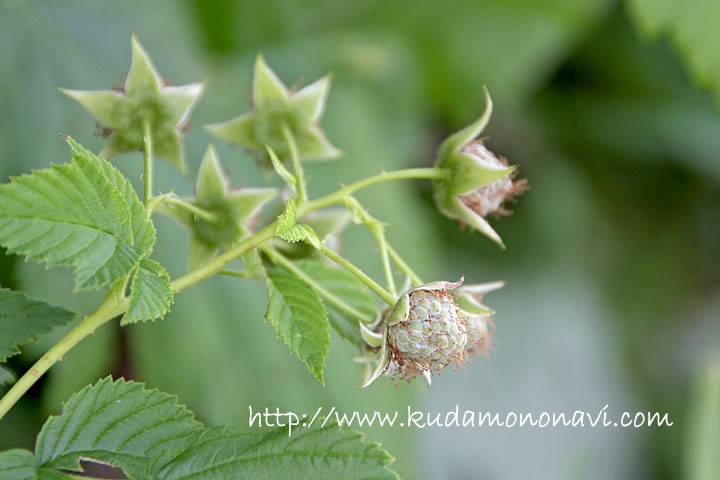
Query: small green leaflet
[[84, 214], [22, 320], [148, 435], [310, 453], [117, 422], [345, 287], [292, 232], [150, 293], [298, 315]]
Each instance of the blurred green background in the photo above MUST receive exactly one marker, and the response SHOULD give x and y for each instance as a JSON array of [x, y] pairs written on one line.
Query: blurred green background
[[613, 259]]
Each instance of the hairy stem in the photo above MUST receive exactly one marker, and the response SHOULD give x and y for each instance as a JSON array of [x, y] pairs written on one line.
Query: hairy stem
[[112, 306], [147, 154], [219, 262], [195, 210], [372, 284], [377, 229], [341, 194], [297, 165], [403, 266], [279, 259]]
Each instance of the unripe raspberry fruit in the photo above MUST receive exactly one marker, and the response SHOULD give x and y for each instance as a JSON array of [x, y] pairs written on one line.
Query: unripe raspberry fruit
[[427, 332]]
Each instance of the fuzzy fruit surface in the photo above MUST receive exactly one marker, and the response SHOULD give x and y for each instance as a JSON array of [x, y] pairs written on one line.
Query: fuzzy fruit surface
[[434, 335]]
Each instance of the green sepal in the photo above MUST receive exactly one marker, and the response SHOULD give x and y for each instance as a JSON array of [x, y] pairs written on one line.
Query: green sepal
[[456, 209], [383, 360], [199, 252], [276, 108], [143, 76], [371, 338], [470, 299], [455, 142], [400, 310], [211, 182], [144, 99], [267, 87]]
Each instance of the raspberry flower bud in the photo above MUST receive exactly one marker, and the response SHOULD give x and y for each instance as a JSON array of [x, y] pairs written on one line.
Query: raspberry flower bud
[[479, 182]]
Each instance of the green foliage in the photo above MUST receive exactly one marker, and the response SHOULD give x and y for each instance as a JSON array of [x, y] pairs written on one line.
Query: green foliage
[[309, 453], [692, 26], [346, 287], [150, 293], [292, 232], [298, 315], [148, 435], [22, 320], [113, 421], [84, 214], [17, 465]]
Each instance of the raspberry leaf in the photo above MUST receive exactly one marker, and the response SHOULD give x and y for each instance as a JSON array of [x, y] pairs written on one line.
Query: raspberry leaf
[[118, 422], [349, 289], [84, 214], [22, 320], [17, 464], [150, 293], [319, 451], [299, 317]]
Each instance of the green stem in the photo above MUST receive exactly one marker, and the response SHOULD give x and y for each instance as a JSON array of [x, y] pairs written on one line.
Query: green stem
[[112, 306], [232, 273], [147, 151], [297, 165], [372, 284], [195, 210], [279, 259], [339, 195], [219, 262], [377, 228], [402, 265]]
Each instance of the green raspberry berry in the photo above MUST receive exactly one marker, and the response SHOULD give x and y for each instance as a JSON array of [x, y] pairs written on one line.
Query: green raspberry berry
[[431, 336]]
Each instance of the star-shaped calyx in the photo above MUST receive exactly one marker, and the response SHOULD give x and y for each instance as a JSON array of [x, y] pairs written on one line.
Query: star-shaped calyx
[[219, 215], [144, 105], [279, 112]]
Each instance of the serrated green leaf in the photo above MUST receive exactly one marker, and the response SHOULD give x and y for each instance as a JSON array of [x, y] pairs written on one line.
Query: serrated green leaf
[[22, 320], [150, 293], [298, 315], [301, 233], [83, 214], [17, 465], [309, 453], [288, 218], [693, 28], [346, 287], [117, 422]]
